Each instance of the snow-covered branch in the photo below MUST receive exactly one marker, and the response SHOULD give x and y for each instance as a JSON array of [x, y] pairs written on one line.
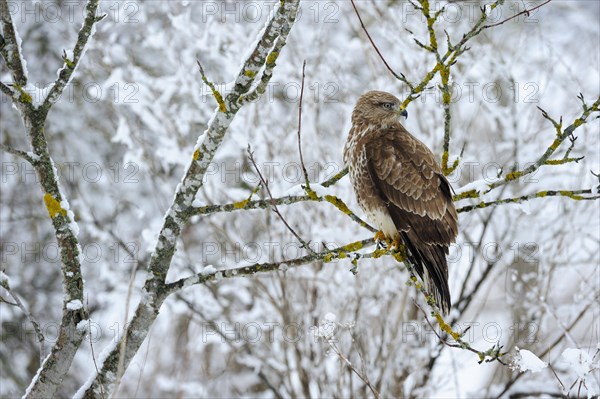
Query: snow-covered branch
[[342, 252], [70, 335], [10, 46], [155, 291], [70, 65]]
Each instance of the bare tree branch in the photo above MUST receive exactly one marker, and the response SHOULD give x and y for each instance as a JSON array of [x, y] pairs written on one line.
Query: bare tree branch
[[306, 180], [526, 12], [400, 77]]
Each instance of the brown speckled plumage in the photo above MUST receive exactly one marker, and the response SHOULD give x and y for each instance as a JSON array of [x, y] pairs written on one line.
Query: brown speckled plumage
[[401, 188]]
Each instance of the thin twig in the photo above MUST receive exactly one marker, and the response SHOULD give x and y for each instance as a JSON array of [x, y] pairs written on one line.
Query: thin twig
[[548, 349], [2, 300], [526, 11], [488, 356], [254, 73], [561, 136], [274, 206], [93, 354], [216, 94], [400, 77], [247, 204], [563, 388], [123, 344], [307, 181], [362, 376]]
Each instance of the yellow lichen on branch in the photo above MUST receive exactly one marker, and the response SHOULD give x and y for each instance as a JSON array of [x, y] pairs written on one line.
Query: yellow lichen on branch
[[513, 175], [53, 206], [338, 203], [467, 194], [446, 328], [218, 97], [446, 170], [271, 58]]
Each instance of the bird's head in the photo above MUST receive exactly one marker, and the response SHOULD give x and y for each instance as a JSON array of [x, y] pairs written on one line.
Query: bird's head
[[378, 107]]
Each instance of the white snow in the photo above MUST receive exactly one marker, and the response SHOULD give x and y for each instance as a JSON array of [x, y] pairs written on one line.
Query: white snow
[[75, 304], [525, 360], [480, 185], [83, 325], [327, 327], [35, 377], [190, 281], [210, 269], [579, 361], [100, 362]]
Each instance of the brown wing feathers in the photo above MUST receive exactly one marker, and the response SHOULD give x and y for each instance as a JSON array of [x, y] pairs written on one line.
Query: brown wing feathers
[[419, 200]]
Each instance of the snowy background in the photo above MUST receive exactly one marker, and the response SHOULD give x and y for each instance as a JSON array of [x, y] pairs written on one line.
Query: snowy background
[[125, 129]]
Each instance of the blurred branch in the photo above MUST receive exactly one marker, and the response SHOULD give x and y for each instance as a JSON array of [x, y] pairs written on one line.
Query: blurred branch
[[362, 375], [545, 352], [270, 41], [36, 326], [461, 297], [232, 345], [6, 90]]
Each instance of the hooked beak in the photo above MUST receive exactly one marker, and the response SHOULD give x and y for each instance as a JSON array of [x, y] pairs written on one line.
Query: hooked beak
[[403, 113]]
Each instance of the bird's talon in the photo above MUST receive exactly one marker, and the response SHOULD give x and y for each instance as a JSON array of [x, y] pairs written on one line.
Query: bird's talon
[[379, 236]]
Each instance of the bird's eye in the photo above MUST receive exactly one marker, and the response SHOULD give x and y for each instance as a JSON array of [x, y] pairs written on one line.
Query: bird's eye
[[388, 105]]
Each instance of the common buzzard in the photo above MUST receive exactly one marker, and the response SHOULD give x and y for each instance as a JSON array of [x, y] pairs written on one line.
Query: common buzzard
[[401, 188]]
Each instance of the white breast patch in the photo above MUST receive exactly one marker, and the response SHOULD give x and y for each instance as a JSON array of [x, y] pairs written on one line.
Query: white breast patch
[[383, 221]]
